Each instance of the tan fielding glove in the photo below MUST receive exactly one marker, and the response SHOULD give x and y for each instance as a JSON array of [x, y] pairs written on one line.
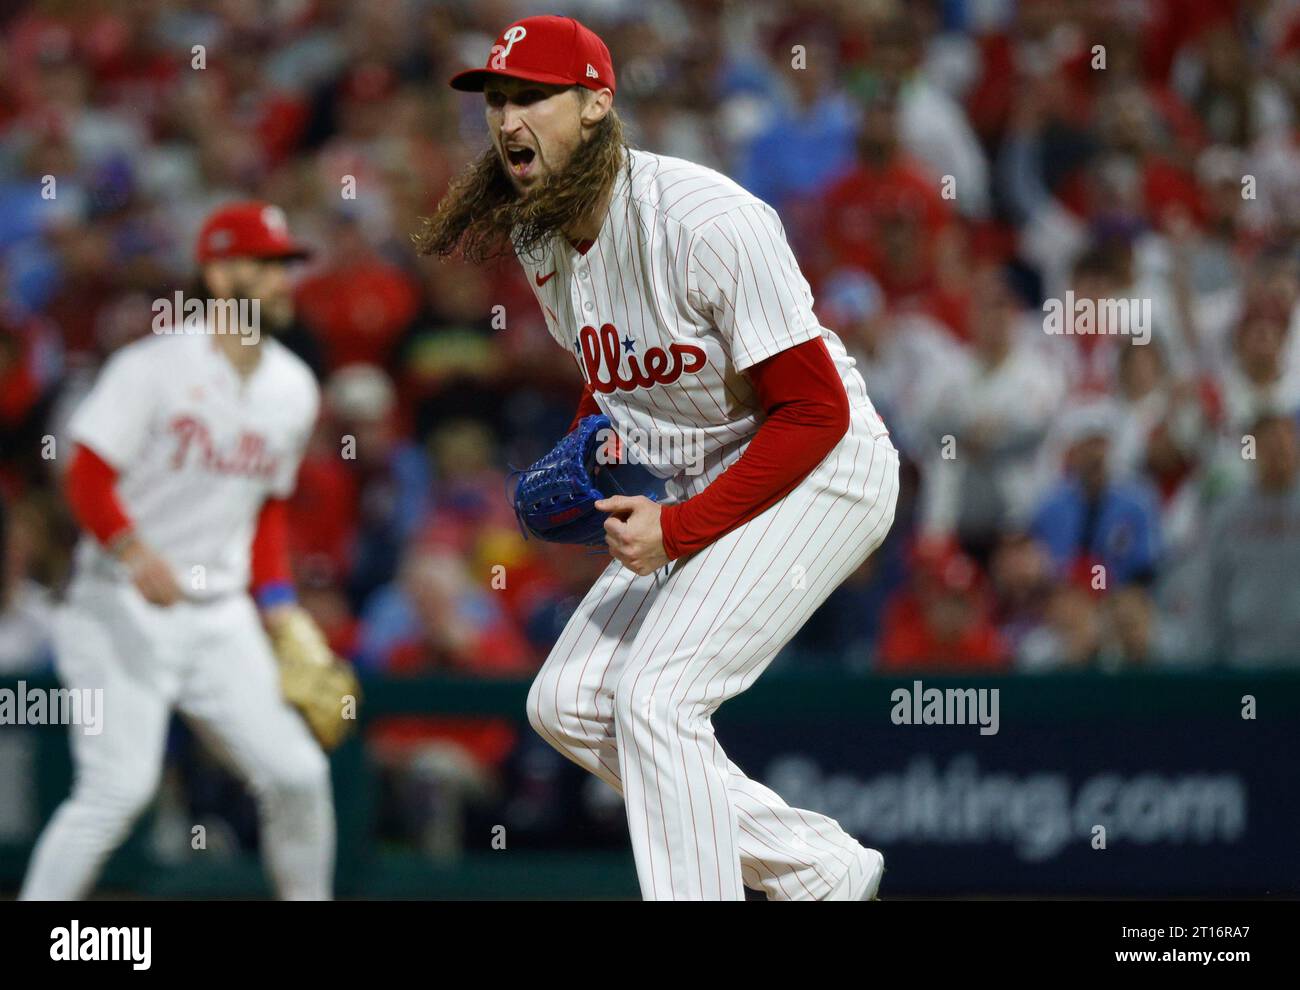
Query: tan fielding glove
[[314, 680]]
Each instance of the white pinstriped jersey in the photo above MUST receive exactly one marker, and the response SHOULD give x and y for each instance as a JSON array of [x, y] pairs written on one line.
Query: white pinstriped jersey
[[690, 282], [198, 450]]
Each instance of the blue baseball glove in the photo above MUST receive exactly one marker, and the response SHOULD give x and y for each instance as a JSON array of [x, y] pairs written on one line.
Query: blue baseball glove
[[555, 498]]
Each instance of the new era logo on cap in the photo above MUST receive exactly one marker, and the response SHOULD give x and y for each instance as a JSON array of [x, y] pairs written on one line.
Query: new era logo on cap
[[548, 49]]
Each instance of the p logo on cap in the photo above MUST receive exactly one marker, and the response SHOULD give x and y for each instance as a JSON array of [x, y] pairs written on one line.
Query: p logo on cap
[[560, 51], [500, 53]]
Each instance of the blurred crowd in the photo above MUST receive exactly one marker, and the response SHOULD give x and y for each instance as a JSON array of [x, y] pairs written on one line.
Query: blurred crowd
[[1072, 500]]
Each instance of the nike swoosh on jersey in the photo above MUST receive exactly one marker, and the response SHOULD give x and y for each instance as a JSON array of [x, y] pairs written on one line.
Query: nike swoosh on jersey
[[543, 279]]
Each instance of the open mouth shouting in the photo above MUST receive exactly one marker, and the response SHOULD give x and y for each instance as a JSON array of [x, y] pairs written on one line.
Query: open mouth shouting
[[520, 160]]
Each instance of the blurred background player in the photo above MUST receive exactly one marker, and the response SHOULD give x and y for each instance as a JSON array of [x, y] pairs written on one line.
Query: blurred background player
[[184, 453]]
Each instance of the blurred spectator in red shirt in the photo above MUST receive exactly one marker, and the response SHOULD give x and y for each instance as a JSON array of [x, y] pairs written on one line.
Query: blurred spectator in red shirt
[[323, 508], [888, 217], [943, 621], [361, 303]]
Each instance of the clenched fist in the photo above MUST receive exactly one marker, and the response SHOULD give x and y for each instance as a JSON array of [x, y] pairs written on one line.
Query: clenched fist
[[632, 532]]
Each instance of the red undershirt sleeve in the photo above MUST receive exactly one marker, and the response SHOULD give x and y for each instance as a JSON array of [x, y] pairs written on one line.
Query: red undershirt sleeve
[[807, 413], [586, 407], [272, 574], [92, 496]]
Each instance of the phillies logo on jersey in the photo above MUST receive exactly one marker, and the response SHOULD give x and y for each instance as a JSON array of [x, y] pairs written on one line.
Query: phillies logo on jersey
[[600, 352], [247, 455], [499, 53]]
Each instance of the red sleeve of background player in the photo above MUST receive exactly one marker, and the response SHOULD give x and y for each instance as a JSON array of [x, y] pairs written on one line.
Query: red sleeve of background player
[[586, 407], [272, 574], [807, 415], [93, 497]]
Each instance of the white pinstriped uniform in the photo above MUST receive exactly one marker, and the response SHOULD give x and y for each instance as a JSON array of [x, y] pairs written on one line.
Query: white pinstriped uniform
[[694, 276], [198, 450]]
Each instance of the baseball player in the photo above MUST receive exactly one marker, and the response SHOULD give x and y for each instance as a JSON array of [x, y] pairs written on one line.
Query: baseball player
[[184, 453], [688, 317]]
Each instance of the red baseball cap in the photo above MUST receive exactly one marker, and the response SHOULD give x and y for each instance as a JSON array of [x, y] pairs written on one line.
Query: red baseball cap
[[248, 230], [546, 49]]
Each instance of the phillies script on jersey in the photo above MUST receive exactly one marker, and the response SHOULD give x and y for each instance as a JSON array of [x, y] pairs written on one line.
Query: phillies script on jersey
[[248, 455], [197, 448], [601, 358]]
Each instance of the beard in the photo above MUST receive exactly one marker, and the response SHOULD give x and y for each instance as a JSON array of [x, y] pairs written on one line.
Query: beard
[[275, 313], [484, 217]]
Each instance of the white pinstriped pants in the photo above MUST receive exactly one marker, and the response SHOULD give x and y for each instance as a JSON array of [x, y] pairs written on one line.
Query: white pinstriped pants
[[629, 690], [212, 662]]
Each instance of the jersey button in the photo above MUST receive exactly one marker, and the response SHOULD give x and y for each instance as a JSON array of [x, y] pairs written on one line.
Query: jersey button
[[587, 306]]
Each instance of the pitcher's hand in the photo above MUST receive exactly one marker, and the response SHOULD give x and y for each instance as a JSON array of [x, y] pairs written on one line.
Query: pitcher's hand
[[632, 532]]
